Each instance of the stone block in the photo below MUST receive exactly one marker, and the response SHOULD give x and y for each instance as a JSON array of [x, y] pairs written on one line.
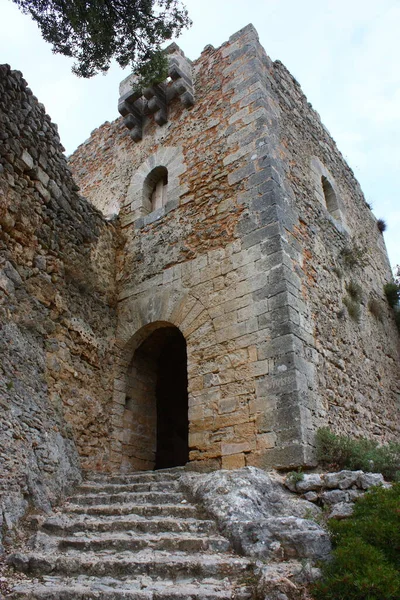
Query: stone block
[[238, 447], [233, 461]]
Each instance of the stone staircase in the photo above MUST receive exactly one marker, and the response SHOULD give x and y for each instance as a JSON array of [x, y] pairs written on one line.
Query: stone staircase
[[131, 537]]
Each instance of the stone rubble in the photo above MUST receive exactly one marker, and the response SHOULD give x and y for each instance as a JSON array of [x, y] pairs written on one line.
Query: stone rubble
[[336, 492]]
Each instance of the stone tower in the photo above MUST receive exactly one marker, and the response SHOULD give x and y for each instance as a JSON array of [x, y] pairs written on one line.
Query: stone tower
[[232, 305], [248, 254]]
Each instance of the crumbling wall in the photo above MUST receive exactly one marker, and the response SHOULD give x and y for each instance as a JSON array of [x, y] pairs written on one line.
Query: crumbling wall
[[57, 258]]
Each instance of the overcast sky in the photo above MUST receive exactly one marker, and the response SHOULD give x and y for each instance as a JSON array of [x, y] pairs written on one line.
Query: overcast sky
[[344, 53]]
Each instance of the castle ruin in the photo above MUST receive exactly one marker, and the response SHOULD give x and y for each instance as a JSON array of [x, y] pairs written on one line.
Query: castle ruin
[[193, 286]]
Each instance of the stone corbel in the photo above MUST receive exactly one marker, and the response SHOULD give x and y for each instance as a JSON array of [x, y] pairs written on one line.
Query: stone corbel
[[135, 107]]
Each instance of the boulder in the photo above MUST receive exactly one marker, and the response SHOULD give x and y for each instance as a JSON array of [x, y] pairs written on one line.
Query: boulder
[[367, 480], [260, 517]]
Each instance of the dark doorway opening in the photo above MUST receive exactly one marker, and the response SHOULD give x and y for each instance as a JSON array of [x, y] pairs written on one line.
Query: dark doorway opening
[[172, 402], [155, 418]]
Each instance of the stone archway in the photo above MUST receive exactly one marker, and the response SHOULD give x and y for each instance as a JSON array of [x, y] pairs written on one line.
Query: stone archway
[[139, 317], [155, 412]]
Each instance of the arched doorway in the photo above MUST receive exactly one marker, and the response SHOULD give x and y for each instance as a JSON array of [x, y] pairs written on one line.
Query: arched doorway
[[155, 419]]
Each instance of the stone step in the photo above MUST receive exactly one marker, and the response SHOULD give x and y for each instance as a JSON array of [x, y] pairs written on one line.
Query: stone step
[[151, 510], [85, 588], [137, 477], [131, 497], [121, 542], [115, 488], [62, 525], [153, 563]]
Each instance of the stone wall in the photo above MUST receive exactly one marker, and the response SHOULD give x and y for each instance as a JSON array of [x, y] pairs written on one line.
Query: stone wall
[[57, 315], [262, 231], [356, 358]]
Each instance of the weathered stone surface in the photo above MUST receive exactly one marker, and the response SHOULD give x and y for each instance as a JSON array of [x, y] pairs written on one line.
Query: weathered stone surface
[[258, 515], [350, 485], [341, 510], [312, 481], [367, 480], [55, 261], [244, 257], [342, 479], [166, 553]]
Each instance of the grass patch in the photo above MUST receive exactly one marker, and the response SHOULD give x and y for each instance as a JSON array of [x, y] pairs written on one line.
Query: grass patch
[[344, 452], [353, 308], [354, 290], [375, 308], [295, 477]]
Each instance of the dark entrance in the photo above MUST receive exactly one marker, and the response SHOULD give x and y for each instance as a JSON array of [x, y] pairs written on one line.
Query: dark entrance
[[155, 418], [172, 401]]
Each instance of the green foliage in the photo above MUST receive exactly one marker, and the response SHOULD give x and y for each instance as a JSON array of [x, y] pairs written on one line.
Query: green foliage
[[353, 256], [381, 224], [392, 292], [10, 385], [338, 272], [295, 476], [397, 318], [366, 558], [95, 32], [353, 308], [354, 290], [343, 452], [375, 308], [376, 520]]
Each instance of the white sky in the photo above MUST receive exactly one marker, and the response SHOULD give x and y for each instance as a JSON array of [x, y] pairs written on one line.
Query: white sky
[[344, 53]]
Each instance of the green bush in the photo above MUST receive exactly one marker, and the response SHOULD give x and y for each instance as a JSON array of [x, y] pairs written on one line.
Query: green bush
[[375, 308], [397, 318], [353, 308], [345, 452], [366, 559], [354, 290], [392, 293], [295, 476]]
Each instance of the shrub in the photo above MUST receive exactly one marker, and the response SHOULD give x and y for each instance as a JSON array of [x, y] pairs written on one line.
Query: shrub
[[381, 224], [353, 308], [353, 256], [392, 293], [295, 476], [366, 559], [354, 290], [375, 308], [345, 452], [397, 318]]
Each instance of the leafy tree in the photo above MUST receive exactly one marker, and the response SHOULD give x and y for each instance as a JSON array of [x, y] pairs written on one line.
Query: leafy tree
[[93, 32]]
